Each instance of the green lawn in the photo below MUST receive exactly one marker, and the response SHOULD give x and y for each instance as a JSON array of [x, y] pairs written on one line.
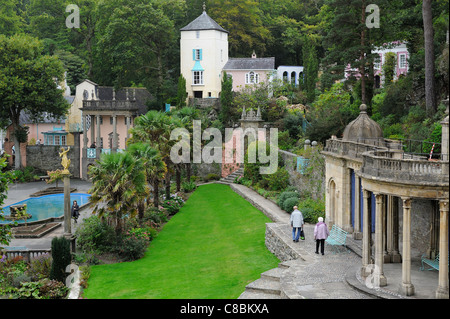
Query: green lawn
[[211, 249]]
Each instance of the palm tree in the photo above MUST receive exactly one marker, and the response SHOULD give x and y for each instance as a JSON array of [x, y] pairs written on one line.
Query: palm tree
[[154, 128], [154, 167], [186, 115], [118, 185]]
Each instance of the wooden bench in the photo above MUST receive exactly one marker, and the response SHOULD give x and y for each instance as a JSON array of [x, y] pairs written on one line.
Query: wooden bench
[[337, 237], [434, 263]]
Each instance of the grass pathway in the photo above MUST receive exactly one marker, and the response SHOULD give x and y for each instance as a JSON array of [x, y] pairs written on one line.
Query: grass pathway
[[211, 249]]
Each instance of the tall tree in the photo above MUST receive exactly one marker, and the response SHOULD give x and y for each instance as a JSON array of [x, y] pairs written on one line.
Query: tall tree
[[428, 33], [226, 99], [311, 64], [135, 43], [28, 83], [243, 19], [118, 186], [10, 21], [154, 167], [155, 128]]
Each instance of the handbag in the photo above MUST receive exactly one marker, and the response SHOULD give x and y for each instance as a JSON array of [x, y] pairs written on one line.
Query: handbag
[[302, 234]]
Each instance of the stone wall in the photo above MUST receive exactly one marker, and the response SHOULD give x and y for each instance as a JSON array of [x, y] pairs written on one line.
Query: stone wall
[[421, 225], [46, 158], [276, 245], [311, 184]]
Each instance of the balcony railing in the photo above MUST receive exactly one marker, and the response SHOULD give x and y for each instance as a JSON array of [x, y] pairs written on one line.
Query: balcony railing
[[391, 162], [111, 105], [417, 171]]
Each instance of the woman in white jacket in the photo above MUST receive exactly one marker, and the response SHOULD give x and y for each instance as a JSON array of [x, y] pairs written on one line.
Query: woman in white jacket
[[296, 223]]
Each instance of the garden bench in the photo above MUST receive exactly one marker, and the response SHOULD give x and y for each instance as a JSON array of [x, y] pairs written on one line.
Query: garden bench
[[434, 263], [337, 237], [44, 178]]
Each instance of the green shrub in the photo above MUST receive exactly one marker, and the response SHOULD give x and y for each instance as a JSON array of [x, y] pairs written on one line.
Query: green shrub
[[285, 195], [289, 203], [132, 247], [278, 180], [212, 177], [312, 210], [188, 186], [95, 235], [61, 258], [172, 206], [155, 216]]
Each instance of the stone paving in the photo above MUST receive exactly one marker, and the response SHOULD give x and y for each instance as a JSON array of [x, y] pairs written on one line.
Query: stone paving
[[336, 275]]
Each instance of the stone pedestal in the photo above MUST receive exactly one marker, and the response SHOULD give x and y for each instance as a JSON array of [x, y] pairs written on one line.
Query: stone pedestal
[[67, 217]]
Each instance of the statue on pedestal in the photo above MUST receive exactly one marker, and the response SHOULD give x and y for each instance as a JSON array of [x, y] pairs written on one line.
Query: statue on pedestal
[[65, 161]]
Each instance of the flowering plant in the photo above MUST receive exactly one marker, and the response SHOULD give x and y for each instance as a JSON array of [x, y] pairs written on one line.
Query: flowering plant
[[141, 233]]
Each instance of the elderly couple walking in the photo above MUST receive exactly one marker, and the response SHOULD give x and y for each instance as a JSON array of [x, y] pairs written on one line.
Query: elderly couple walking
[[321, 231]]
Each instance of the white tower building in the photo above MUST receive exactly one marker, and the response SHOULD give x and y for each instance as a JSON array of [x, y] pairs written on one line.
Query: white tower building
[[203, 54]]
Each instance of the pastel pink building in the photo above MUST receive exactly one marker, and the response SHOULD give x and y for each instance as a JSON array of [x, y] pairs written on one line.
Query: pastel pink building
[[249, 71], [104, 116], [401, 66]]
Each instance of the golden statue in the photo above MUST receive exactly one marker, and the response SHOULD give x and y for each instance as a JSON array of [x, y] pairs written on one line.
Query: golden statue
[[65, 161]]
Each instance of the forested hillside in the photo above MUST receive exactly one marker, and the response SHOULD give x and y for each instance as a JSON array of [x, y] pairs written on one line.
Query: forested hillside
[[136, 43]]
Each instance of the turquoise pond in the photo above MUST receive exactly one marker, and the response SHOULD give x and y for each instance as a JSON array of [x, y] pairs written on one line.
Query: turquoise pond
[[46, 206]]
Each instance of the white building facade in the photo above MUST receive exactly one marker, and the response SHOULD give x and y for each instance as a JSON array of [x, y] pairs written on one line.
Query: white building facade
[[203, 54]]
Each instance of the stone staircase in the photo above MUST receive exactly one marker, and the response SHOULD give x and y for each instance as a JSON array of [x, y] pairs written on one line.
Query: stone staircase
[[230, 178], [273, 284]]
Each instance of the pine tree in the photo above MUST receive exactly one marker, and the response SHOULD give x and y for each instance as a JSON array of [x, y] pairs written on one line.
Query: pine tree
[[61, 258], [181, 92], [226, 98], [311, 69]]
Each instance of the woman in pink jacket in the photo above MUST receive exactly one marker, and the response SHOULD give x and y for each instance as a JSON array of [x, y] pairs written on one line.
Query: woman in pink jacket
[[320, 234]]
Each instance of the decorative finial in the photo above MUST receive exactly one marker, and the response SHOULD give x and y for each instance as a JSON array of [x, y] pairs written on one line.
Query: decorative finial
[[363, 108], [204, 7]]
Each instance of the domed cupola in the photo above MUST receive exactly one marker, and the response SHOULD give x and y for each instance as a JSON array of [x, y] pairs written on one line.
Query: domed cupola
[[364, 130]]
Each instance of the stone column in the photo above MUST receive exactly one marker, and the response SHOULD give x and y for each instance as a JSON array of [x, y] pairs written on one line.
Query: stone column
[[390, 227], [85, 139], [114, 139], [67, 217], [99, 141], [128, 118], [92, 130], [406, 287], [379, 247], [357, 227], [366, 250], [442, 291]]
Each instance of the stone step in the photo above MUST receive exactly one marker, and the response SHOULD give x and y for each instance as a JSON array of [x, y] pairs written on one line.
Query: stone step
[[273, 274], [264, 286], [257, 295]]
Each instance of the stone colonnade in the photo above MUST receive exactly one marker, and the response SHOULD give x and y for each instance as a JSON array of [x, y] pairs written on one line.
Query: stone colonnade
[[96, 132], [386, 241]]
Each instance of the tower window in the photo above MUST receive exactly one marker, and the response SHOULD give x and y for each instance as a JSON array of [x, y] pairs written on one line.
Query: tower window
[[197, 77], [197, 54]]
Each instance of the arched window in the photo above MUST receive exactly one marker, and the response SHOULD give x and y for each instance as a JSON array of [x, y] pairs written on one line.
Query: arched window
[[285, 76], [251, 78]]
